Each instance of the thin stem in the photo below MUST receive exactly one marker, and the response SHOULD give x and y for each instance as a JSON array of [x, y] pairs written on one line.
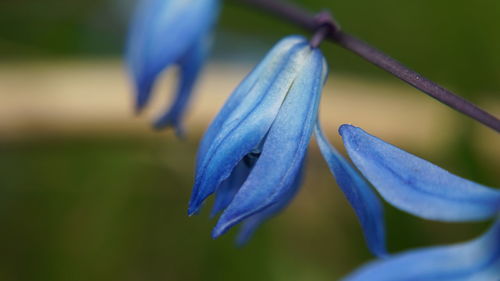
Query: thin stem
[[309, 22], [319, 36], [324, 26]]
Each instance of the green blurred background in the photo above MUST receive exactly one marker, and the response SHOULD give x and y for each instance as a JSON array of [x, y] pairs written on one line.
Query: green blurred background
[[88, 192]]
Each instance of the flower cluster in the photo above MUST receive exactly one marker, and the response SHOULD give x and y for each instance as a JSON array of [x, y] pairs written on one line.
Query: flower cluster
[[252, 156]]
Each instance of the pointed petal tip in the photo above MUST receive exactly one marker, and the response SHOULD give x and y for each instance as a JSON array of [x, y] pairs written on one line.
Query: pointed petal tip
[[193, 210], [142, 92], [140, 105], [195, 203], [217, 232], [222, 226], [160, 125], [345, 128], [165, 123]]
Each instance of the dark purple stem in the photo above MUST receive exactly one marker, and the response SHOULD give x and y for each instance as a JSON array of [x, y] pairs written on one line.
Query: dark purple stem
[[330, 30], [325, 25]]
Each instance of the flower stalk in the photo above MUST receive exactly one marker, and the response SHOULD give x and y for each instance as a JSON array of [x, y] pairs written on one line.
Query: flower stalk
[[304, 19]]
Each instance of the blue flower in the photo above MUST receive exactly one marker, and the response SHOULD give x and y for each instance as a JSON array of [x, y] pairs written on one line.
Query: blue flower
[[252, 155], [417, 186], [476, 260], [253, 152], [165, 33]]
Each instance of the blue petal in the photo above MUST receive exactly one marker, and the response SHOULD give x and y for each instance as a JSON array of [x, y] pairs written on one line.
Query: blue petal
[[190, 67], [269, 65], [250, 225], [228, 188], [362, 198], [160, 34], [415, 185], [477, 260], [240, 130], [283, 149]]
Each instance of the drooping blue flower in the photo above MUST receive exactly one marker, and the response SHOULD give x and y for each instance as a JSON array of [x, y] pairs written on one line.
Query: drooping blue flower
[[252, 154], [165, 33], [415, 185], [476, 260], [266, 126]]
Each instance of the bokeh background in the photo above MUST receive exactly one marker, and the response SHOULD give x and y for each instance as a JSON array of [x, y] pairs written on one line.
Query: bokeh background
[[90, 192]]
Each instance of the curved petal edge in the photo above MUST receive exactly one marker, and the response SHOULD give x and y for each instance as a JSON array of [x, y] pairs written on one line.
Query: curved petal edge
[[415, 185], [477, 260]]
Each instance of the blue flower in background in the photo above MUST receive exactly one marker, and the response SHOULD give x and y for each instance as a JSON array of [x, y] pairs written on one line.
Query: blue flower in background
[[476, 260], [417, 186], [165, 33]]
